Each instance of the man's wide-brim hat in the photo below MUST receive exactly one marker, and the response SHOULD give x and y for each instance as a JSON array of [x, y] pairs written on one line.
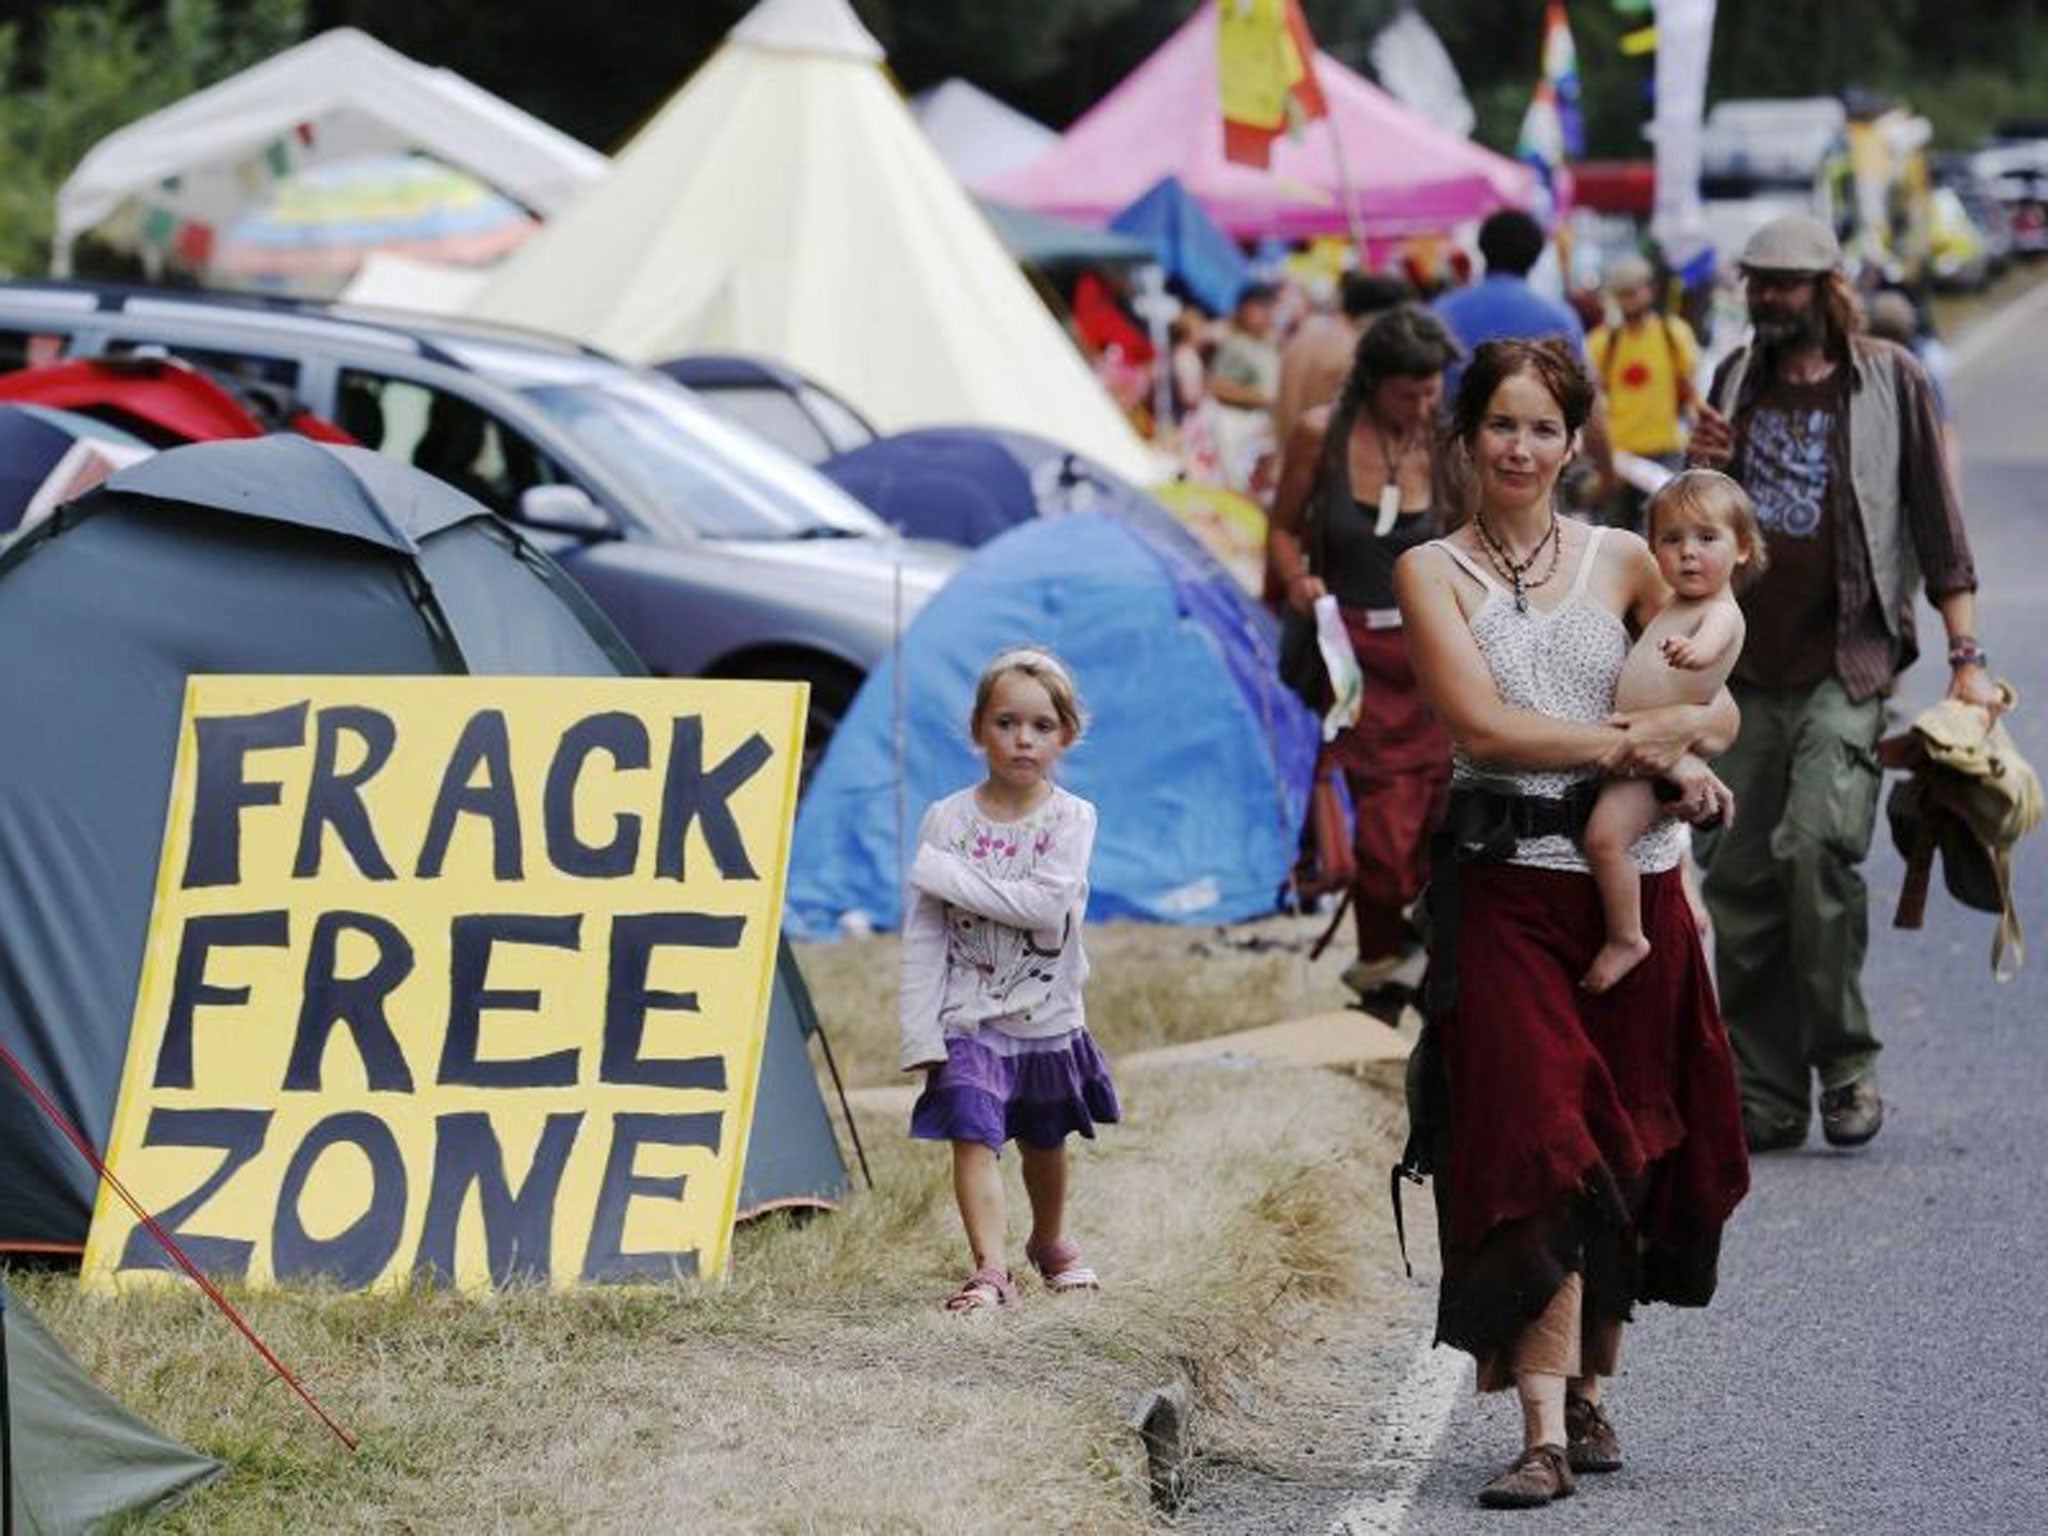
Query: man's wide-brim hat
[[1793, 242]]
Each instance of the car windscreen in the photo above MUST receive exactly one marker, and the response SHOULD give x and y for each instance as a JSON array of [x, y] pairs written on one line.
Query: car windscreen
[[704, 475]]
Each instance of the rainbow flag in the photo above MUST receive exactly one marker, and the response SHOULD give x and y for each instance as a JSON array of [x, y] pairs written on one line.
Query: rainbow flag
[[1553, 129], [1265, 73]]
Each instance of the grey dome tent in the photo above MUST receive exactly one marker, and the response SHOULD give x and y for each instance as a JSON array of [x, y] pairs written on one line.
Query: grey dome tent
[[273, 555], [72, 1458]]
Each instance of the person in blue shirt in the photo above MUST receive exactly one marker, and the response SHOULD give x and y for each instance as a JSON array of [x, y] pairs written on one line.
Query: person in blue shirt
[[1502, 306]]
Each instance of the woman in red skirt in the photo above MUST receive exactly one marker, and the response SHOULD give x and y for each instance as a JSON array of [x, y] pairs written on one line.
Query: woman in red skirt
[[1591, 1146], [1358, 487]]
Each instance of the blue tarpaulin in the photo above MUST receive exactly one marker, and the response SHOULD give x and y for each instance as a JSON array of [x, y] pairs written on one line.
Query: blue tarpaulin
[[1188, 243], [1196, 758]]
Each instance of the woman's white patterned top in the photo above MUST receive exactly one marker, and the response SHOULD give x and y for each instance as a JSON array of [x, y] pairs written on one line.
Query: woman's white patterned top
[[1562, 662]]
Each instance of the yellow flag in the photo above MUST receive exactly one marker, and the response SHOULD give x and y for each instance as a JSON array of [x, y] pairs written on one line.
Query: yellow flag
[[1264, 75]]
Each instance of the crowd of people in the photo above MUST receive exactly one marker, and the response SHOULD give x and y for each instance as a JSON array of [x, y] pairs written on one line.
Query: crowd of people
[[1560, 709]]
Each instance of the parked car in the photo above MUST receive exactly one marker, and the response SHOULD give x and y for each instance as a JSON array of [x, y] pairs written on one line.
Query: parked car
[[1955, 173], [791, 410], [2017, 175], [715, 553]]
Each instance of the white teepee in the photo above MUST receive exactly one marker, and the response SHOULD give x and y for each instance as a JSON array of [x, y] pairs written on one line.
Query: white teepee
[[784, 203]]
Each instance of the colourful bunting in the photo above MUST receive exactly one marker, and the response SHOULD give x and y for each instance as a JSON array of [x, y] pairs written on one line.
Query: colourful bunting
[[194, 244], [159, 226]]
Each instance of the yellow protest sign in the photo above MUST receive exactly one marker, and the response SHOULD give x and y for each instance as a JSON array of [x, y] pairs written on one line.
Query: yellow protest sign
[[455, 978]]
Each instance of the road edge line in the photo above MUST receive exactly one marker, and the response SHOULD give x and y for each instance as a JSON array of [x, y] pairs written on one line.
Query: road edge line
[[1995, 327], [1412, 1427]]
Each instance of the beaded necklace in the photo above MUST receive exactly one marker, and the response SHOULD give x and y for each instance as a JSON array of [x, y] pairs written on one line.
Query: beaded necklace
[[1516, 572]]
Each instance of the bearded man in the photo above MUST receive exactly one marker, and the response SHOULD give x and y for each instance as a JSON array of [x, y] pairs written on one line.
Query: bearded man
[[1837, 439]]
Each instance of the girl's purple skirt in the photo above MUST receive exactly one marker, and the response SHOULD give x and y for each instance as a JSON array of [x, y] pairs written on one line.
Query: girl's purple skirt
[[994, 1087]]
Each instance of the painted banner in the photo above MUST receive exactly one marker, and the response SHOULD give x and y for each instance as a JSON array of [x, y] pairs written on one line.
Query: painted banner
[[461, 980], [1685, 37]]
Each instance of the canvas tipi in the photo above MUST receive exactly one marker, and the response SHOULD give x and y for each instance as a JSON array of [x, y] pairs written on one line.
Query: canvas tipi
[[785, 203], [182, 175]]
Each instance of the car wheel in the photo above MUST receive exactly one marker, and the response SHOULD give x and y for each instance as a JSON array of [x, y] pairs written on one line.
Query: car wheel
[[833, 686]]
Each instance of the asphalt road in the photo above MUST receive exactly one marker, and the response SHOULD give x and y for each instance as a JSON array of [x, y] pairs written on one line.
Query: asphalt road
[[1875, 1361]]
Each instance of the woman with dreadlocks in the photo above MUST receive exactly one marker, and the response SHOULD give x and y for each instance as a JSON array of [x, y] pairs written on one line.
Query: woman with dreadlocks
[[1360, 484]]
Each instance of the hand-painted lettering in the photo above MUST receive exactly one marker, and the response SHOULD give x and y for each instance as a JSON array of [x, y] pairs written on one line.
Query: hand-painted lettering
[[190, 990], [485, 744], [471, 941], [635, 936], [237, 1132], [691, 795], [222, 790], [606, 1258], [623, 738], [334, 797], [328, 999]]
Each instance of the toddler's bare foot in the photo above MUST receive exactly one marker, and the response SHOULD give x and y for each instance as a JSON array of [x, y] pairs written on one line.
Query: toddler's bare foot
[[1616, 959]]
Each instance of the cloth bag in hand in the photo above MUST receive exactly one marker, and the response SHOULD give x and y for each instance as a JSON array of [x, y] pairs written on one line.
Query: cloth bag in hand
[[1970, 796]]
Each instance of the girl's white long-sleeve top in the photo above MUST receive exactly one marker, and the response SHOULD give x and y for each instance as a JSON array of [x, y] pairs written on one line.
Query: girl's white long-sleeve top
[[992, 924]]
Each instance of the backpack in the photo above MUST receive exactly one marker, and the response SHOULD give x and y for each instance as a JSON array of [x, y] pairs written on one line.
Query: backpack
[[1970, 796]]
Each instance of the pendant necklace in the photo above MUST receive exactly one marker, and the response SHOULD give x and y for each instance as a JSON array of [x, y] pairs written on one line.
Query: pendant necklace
[[1516, 572], [1390, 493]]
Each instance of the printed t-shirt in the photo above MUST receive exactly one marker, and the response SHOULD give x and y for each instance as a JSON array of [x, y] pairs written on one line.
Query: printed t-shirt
[[1248, 362], [1640, 367], [1794, 464]]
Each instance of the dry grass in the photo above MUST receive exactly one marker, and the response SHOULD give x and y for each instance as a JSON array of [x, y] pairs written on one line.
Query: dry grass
[[1151, 986], [821, 1389]]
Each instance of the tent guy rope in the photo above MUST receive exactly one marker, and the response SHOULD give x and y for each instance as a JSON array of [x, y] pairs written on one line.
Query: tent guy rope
[[77, 1139]]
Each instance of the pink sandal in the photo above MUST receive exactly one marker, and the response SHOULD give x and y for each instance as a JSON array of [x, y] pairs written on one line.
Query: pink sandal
[[985, 1288], [1060, 1264]]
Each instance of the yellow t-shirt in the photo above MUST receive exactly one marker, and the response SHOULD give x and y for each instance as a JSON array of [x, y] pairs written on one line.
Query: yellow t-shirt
[[1641, 381]]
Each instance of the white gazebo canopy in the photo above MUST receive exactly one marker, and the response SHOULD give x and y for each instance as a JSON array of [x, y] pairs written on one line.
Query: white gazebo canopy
[[977, 135], [169, 181]]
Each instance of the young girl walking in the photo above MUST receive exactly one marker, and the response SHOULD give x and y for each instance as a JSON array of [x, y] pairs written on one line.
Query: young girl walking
[[1704, 535], [992, 970]]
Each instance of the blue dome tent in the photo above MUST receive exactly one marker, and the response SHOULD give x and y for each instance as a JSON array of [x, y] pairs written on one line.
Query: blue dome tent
[[1198, 760], [966, 485]]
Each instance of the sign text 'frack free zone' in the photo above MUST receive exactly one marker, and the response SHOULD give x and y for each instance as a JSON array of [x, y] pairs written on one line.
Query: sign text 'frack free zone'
[[455, 978]]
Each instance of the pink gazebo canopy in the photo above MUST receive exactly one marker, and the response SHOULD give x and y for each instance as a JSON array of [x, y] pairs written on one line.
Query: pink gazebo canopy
[[1165, 119]]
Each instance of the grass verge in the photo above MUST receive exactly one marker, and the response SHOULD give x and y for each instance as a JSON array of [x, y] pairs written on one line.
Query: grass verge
[[1149, 986], [821, 1388]]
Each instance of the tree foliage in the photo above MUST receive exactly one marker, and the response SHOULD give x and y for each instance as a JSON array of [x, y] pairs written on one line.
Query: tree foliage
[[75, 72], [599, 68]]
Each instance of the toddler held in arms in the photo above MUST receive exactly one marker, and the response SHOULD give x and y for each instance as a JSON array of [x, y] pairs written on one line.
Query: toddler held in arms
[[1703, 532]]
